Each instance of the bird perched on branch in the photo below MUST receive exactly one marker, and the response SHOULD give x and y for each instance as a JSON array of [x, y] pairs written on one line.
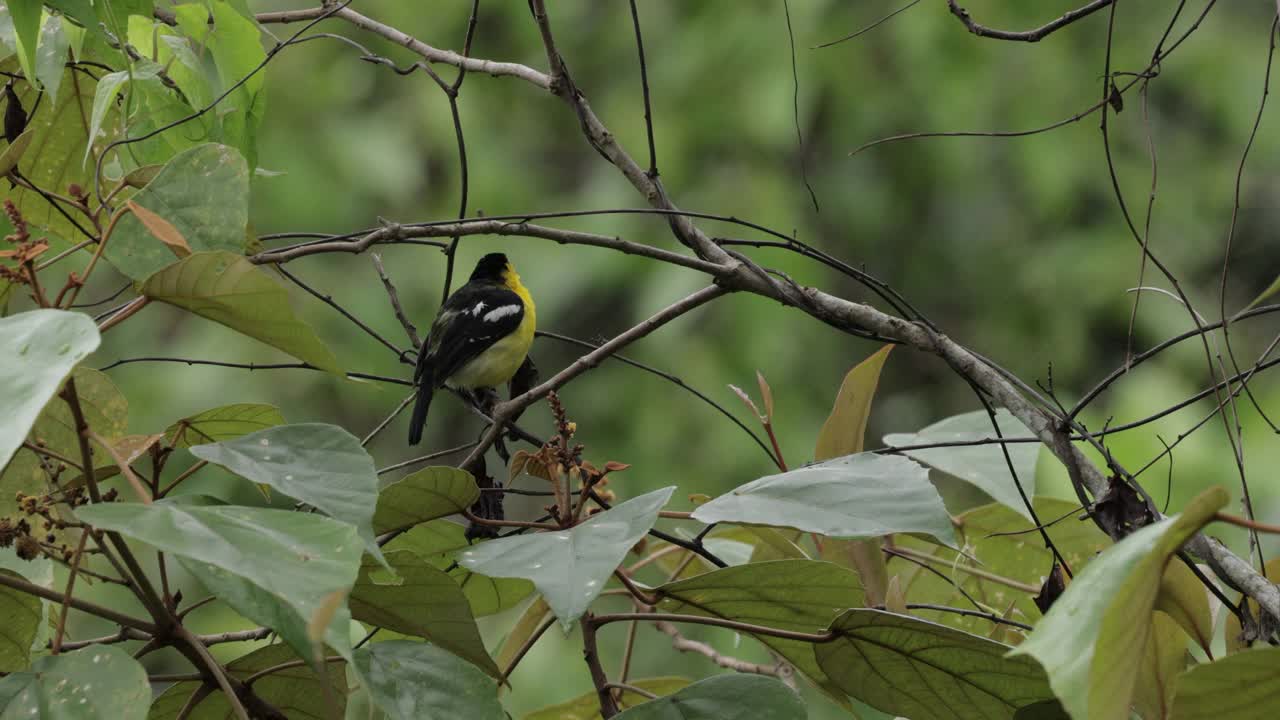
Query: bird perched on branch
[[479, 339]]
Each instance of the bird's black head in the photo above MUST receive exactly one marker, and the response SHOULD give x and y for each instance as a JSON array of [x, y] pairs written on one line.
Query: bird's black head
[[491, 267]]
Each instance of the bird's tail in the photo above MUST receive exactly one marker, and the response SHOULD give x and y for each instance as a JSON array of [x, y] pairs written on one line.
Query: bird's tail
[[420, 407]]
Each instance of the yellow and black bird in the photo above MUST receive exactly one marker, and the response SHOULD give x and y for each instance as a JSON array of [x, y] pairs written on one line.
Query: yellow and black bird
[[479, 339]]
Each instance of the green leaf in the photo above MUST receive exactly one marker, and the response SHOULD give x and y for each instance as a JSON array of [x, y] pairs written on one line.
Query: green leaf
[[523, 629], [104, 100], [79, 10], [105, 410], [1272, 289], [230, 290], [1091, 641], [1186, 600], [986, 532], [321, 465], [570, 567], [724, 697], [906, 666], [204, 193], [26, 28], [22, 614], [983, 466], [1243, 686], [865, 495], [300, 558], [418, 681], [423, 601], [51, 55], [427, 494], [799, 595], [13, 152], [439, 543], [100, 681], [295, 691], [53, 157], [587, 705], [1163, 659], [236, 46], [38, 350], [844, 432], [222, 423]]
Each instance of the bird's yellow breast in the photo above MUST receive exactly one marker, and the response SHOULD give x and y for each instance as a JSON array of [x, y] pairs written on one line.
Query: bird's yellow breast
[[500, 361]]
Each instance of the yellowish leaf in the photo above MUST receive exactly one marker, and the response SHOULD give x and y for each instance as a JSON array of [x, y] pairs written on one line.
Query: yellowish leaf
[[161, 229], [845, 429], [1186, 601]]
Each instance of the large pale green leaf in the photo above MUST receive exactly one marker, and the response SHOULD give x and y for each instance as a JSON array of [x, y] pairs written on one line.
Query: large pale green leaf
[[321, 465], [865, 495], [235, 44], [222, 423], [1020, 557], [295, 691], [1163, 659], [439, 542], [419, 681], [104, 101], [587, 705], [51, 54], [570, 567], [100, 681], [422, 601], [427, 494], [799, 595], [724, 697], [1243, 686], [911, 667], [22, 614], [203, 192], [983, 466], [844, 432], [230, 290], [1092, 640], [301, 558], [38, 349]]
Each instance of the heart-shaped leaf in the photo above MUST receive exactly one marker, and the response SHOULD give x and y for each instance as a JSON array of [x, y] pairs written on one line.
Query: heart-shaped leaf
[[983, 466], [865, 495], [1243, 686], [439, 542], [906, 666], [570, 567]]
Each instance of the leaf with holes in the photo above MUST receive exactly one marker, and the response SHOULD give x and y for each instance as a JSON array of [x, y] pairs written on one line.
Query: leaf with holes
[[1093, 637], [570, 567], [427, 494], [906, 666], [222, 423], [983, 466], [858, 496], [100, 681], [229, 290], [798, 595], [418, 681], [422, 601]]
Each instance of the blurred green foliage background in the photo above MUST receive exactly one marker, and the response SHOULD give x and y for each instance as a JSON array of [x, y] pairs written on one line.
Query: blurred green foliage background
[[1014, 246]]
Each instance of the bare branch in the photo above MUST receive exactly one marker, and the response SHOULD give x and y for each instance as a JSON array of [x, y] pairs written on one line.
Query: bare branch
[[1035, 35]]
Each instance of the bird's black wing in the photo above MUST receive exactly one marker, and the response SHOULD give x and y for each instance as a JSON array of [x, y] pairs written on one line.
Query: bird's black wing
[[469, 322]]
